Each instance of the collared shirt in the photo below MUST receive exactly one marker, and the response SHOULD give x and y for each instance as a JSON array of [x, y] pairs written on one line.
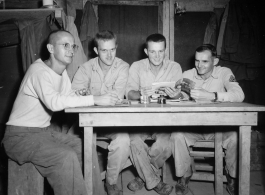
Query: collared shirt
[[140, 74], [90, 76], [222, 81]]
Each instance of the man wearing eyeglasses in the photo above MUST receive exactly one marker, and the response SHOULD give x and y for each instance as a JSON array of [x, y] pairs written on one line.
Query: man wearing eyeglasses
[[46, 88], [107, 74]]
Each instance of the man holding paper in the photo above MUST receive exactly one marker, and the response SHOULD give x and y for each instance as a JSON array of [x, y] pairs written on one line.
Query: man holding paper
[[142, 75], [206, 82]]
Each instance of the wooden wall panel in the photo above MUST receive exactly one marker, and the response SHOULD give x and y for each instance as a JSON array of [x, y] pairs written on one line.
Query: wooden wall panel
[[132, 24], [11, 75], [189, 34]]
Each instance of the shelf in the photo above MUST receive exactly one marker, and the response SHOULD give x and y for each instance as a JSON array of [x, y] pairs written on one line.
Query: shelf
[[7, 14]]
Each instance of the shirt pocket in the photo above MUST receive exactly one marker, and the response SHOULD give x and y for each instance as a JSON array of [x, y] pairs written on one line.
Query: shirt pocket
[[95, 88]]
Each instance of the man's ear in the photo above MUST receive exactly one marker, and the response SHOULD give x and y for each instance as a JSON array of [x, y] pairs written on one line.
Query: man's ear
[[215, 61], [96, 50], [50, 48], [145, 51]]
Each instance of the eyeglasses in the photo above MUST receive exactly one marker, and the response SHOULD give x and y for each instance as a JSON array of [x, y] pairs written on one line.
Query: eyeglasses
[[67, 46]]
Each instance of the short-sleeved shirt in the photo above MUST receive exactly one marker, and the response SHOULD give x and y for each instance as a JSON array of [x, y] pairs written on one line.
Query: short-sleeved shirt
[[222, 81], [140, 74], [90, 76]]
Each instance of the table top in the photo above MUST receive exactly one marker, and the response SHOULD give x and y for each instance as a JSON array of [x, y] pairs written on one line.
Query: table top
[[175, 107]]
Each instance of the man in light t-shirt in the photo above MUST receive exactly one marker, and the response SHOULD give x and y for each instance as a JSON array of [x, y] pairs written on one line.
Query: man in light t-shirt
[[46, 88]]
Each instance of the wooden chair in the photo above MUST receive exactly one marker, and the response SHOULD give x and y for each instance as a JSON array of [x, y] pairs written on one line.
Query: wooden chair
[[204, 172], [24, 179]]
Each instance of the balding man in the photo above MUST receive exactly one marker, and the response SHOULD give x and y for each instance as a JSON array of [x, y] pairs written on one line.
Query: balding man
[[46, 88]]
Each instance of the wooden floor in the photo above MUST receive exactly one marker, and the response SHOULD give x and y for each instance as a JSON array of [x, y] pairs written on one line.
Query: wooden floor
[[257, 184]]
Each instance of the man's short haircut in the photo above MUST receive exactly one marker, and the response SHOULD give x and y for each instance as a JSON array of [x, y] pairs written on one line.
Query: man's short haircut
[[207, 47], [104, 35], [52, 35], [155, 38]]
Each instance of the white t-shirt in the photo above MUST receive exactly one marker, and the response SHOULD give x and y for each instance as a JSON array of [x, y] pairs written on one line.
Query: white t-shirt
[[42, 92]]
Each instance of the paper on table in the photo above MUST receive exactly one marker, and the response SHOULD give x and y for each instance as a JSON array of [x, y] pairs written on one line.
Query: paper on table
[[157, 85]]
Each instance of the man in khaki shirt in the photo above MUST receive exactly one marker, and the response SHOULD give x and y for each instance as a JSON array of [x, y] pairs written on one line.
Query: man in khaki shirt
[[211, 83], [107, 74], [142, 74]]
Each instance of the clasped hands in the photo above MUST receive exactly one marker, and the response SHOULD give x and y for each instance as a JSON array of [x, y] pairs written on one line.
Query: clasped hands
[[109, 98], [167, 91]]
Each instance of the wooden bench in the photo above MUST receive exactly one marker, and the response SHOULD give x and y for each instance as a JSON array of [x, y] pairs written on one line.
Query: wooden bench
[[24, 179]]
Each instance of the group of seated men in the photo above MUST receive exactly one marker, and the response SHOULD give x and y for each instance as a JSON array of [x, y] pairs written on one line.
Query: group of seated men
[[106, 79]]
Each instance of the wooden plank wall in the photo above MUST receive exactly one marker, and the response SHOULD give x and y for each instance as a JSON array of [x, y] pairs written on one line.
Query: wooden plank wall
[[132, 24], [189, 34]]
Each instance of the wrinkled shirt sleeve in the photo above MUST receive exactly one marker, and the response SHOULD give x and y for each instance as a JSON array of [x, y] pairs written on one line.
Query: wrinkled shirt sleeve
[[133, 80], [234, 92], [81, 79], [54, 100]]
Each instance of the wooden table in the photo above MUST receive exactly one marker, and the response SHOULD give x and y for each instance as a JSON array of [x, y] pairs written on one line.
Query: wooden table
[[179, 114]]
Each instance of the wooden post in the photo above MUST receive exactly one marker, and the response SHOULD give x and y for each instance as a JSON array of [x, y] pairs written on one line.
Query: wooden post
[[244, 159], [171, 42], [166, 25], [218, 171], [88, 141], [160, 18]]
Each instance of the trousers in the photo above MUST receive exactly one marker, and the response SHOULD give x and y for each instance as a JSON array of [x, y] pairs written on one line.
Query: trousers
[[119, 152], [181, 141], [56, 156], [142, 156]]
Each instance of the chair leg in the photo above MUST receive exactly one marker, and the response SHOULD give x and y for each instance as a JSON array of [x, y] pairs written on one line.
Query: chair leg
[[164, 172]]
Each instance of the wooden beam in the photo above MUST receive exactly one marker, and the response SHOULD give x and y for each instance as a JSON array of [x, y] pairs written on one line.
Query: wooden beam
[[160, 18], [27, 13], [126, 2], [166, 119], [166, 25], [171, 30], [9, 4], [201, 5]]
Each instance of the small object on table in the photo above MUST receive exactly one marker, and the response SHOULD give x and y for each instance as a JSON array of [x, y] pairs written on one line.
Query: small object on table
[[145, 99], [161, 100]]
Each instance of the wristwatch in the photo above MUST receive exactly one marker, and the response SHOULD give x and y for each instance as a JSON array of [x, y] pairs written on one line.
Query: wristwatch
[[215, 97]]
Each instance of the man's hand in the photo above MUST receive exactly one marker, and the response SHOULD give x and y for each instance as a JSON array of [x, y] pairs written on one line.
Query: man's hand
[[173, 93], [82, 92], [148, 91], [106, 99], [201, 94]]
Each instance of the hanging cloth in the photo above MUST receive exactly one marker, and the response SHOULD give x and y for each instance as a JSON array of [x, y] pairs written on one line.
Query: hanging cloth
[[210, 36], [33, 34], [68, 18], [221, 31], [88, 30]]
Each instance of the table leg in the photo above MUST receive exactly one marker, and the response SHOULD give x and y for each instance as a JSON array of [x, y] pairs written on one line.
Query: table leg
[[88, 144], [244, 159], [218, 175]]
